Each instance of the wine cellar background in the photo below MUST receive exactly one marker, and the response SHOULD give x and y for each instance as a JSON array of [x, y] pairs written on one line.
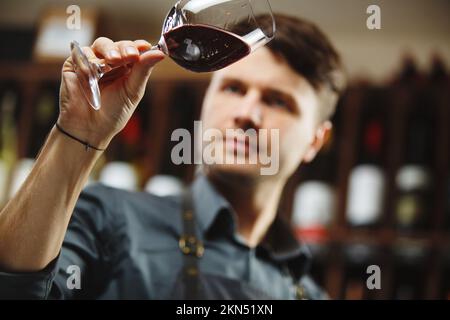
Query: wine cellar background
[[377, 194], [413, 254]]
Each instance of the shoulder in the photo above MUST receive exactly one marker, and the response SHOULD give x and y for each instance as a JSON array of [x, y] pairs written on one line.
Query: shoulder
[[116, 206], [114, 199]]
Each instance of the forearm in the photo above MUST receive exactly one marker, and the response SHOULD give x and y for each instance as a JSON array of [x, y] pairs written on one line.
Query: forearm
[[33, 224], [35, 220]]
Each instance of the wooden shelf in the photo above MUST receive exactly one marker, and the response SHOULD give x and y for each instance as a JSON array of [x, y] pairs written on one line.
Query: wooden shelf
[[39, 72]]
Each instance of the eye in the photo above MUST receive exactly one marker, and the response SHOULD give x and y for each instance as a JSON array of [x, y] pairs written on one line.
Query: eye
[[280, 103], [277, 102], [233, 88]]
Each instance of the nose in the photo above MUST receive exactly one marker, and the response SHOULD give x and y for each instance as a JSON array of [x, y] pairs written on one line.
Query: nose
[[249, 114]]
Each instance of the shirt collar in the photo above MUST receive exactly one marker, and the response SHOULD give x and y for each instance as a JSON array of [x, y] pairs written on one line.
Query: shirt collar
[[282, 246], [207, 202], [280, 243]]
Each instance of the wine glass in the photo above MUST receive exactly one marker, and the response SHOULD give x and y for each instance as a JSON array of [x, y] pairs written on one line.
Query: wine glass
[[199, 35]]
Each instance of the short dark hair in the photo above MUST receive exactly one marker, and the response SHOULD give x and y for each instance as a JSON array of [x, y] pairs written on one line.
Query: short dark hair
[[307, 50]]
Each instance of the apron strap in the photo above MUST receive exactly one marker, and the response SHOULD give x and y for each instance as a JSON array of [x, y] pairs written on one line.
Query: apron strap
[[191, 247], [300, 291]]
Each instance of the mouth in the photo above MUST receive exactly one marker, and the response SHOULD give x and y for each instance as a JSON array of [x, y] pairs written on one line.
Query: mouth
[[240, 145]]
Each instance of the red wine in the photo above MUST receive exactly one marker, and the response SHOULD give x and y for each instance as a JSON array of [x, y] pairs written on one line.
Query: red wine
[[202, 48]]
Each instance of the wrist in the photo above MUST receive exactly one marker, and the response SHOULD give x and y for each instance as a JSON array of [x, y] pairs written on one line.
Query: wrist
[[67, 158], [89, 139], [60, 142], [86, 144]]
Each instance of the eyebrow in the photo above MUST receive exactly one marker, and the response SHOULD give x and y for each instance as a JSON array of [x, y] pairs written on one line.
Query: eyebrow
[[267, 91]]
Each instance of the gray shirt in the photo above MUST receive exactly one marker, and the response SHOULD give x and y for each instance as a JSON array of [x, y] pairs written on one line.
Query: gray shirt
[[126, 246]]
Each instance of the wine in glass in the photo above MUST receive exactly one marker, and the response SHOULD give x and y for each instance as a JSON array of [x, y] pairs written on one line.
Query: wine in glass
[[199, 35]]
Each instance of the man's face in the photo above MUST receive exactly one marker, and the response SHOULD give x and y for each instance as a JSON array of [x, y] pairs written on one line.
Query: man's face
[[262, 92]]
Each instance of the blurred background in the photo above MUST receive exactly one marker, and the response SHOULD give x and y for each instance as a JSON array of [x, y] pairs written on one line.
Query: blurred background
[[379, 192]]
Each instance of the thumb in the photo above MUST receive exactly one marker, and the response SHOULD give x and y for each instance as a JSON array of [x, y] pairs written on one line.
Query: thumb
[[142, 69]]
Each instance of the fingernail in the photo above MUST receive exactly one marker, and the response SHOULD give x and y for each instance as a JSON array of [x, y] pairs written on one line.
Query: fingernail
[[159, 58], [155, 60], [144, 42], [114, 54], [131, 51]]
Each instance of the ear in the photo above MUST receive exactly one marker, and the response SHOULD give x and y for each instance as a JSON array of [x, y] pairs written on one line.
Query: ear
[[322, 135]]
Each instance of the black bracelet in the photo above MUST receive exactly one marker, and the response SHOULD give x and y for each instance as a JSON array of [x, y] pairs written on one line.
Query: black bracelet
[[86, 144]]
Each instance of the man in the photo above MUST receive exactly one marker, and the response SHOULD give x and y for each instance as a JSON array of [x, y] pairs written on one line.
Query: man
[[223, 239]]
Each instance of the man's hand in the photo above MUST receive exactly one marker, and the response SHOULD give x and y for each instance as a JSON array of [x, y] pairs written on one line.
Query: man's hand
[[34, 222], [121, 90]]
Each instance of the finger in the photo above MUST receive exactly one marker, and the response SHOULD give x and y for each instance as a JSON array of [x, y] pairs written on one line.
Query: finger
[[77, 61], [129, 51], [142, 69], [151, 57], [89, 53], [107, 49], [114, 74], [142, 45]]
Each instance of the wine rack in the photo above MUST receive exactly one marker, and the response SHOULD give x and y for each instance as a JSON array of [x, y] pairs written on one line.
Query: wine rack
[[414, 263]]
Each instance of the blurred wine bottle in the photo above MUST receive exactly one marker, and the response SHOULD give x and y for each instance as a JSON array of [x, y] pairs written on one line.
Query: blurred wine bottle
[[121, 165], [44, 117], [3, 181], [440, 85], [183, 108], [119, 174], [164, 185], [414, 179], [409, 282], [365, 199], [314, 205], [313, 211], [20, 173], [130, 140], [8, 140], [444, 292], [447, 192], [357, 258], [314, 198]]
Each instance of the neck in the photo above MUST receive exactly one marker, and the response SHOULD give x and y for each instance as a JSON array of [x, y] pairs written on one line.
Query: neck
[[255, 204]]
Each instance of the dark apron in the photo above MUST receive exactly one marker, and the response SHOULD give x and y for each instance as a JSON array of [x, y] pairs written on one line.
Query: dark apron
[[191, 284]]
